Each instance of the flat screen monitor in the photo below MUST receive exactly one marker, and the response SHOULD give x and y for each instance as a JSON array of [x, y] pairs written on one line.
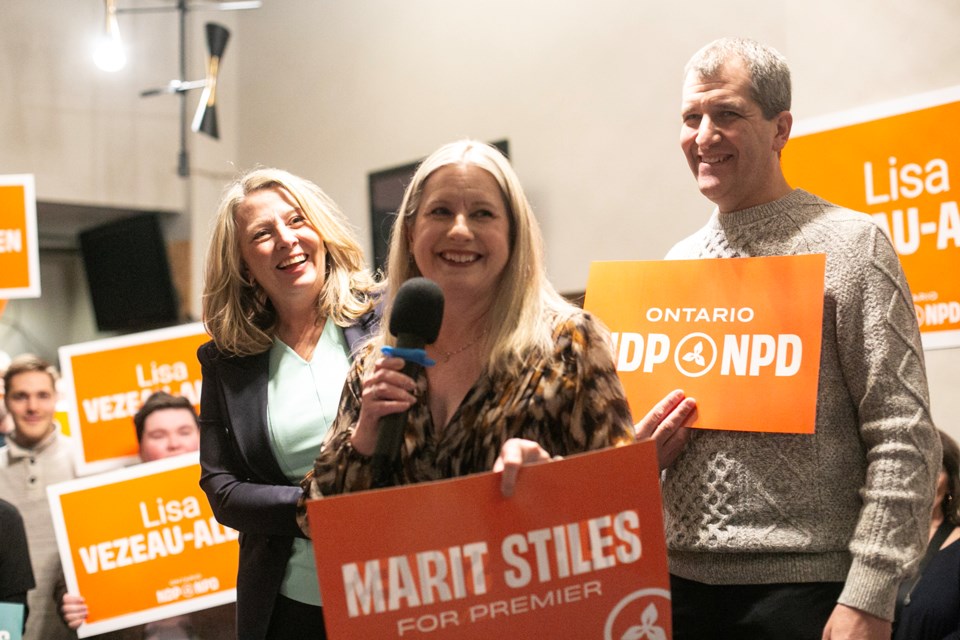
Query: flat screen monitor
[[128, 274]]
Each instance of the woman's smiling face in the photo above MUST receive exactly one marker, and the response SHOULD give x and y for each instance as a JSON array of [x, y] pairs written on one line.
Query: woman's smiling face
[[281, 250], [461, 232]]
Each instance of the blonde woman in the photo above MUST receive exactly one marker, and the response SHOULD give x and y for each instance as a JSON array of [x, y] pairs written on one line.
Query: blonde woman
[[517, 368], [286, 300]]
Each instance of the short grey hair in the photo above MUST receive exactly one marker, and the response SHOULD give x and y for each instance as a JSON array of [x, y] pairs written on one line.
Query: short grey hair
[[769, 73]]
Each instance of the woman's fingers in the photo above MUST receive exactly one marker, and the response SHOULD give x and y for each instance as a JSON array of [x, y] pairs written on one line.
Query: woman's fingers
[[385, 391], [388, 383], [515, 453]]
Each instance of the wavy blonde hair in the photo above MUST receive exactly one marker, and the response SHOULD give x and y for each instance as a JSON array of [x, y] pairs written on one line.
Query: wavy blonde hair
[[516, 323], [237, 313]]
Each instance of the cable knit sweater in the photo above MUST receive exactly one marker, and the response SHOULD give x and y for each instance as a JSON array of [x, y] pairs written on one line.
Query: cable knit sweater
[[850, 503], [25, 475]]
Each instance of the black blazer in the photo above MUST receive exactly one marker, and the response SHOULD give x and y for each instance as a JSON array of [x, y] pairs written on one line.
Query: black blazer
[[242, 479]]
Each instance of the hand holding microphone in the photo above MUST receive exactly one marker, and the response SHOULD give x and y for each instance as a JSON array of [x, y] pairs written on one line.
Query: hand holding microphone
[[415, 321]]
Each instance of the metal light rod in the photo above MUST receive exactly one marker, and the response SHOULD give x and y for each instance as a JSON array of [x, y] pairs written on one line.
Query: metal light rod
[[198, 6]]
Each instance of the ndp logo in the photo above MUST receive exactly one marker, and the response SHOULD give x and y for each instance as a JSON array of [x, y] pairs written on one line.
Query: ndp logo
[[696, 354], [937, 313], [642, 615]]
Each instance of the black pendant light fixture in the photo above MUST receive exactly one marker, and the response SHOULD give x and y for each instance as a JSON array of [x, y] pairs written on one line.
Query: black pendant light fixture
[[110, 56]]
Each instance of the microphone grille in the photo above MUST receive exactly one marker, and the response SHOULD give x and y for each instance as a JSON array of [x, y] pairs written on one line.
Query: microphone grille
[[418, 309]]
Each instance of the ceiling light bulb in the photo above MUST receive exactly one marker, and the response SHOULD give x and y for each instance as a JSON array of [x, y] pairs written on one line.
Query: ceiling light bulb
[[109, 55]]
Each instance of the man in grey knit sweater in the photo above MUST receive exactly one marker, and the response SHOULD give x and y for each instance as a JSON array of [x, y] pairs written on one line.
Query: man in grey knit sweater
[[36, 455], [798, 536]]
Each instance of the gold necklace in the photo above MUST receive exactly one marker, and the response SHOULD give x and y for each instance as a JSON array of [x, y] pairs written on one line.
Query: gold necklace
[[446, 355]]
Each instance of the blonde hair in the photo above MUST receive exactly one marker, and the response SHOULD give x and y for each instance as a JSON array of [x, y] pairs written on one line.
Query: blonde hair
[[237, 313], [516, 325]]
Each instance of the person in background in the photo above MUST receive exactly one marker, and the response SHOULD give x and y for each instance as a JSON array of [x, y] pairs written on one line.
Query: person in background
[[928, 605], [287, 300], [6, 420], [16, 573], [521, 375], [166, 426], [784, 535], [37, 454]]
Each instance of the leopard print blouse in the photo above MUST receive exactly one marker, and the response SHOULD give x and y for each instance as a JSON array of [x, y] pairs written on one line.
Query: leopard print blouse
[[569, 401]]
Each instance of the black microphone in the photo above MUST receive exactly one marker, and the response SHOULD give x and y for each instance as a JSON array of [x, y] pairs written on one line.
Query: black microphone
[[415, 321]]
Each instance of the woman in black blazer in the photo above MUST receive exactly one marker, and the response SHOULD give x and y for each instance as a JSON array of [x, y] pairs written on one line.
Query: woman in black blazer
[[287, 302]]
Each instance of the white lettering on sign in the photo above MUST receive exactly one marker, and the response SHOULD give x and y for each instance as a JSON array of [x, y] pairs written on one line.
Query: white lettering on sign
[[124, 405], [696, 354], [534, 601], [907, 229], [938, 313], [537, 556], [746, 355], [11, 241], [170, 511], [156, 543], [700, 314], [559, 552], [198, 587], [421, 578], [161, 374], [909, 181], [428, 622]]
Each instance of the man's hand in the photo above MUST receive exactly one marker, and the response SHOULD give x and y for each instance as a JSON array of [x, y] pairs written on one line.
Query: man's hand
[[667, 423], [847, 623], [73, 609]]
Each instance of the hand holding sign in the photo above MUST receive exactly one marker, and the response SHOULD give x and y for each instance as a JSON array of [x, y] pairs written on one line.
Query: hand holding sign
[[668, 423], [515, 453], [74, 610], [567, 557], [721, 329]]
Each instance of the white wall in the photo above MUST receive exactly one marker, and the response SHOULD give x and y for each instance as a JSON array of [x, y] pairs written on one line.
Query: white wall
[[90, 139], [586, 91]]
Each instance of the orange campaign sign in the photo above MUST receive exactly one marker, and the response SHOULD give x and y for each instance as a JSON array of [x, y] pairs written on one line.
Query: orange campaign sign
[[109, 379], [741, 335], [893, 161], [19, 251], [141, 544], [577, 552]]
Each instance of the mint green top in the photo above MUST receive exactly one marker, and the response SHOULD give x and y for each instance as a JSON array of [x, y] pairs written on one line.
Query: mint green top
[[302, 399]]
